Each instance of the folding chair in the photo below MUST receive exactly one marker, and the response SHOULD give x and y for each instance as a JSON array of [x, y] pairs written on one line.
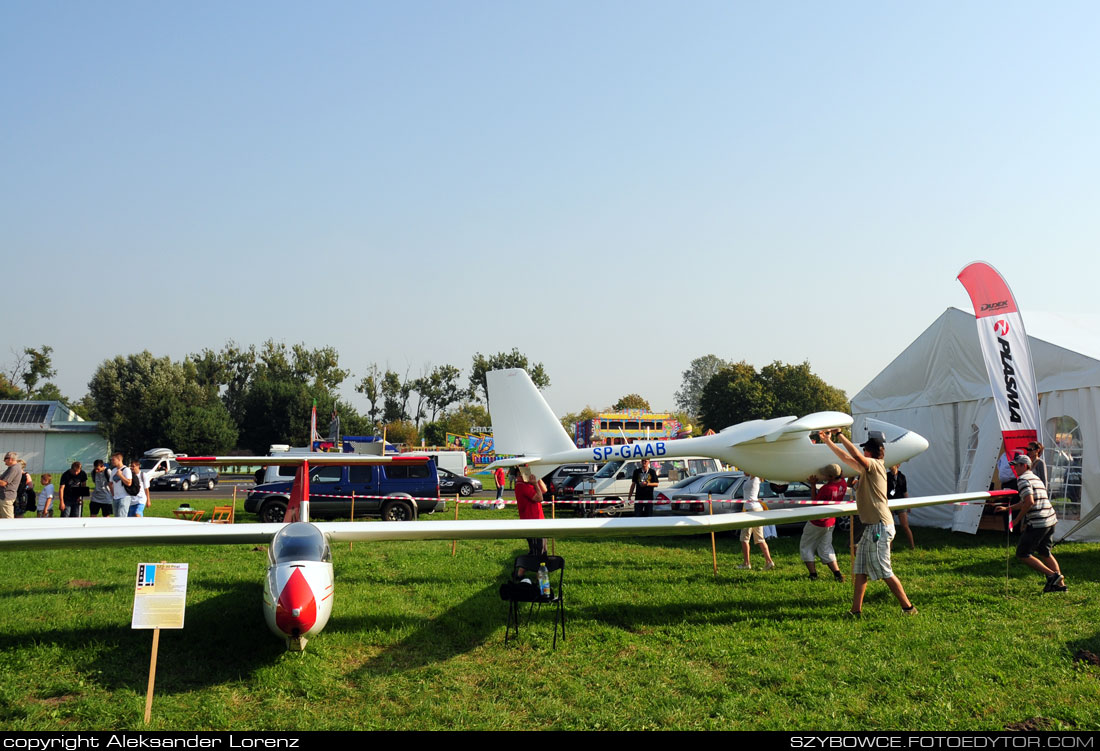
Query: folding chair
[[222, 515], [515, 591]]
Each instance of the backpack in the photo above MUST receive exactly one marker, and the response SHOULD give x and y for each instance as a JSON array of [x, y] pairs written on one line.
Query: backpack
[[134, 487]]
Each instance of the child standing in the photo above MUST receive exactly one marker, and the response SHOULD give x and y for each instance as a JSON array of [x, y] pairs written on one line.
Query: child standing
[[45, 496]]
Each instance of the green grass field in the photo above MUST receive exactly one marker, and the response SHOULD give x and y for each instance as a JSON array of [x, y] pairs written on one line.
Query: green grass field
[[655, 641]]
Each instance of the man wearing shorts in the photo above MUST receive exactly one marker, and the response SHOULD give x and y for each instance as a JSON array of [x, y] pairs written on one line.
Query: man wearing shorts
[[753, 534], [1036, 541], [873, 551], [9, 484]]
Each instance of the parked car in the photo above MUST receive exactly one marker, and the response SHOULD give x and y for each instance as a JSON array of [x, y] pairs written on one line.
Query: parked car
[[686, 485], [612, 482], [719, 487], [157, 462], [726, 491], [397, 491], [562, 481], [186, 478], [450, 483]]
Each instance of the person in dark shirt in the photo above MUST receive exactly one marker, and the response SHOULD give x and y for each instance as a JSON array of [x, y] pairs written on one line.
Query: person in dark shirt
[[897, 487], [72, 488], [642, 483]]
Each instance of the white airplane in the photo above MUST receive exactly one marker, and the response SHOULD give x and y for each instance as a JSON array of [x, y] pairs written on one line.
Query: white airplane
[[779, 449], [299, 586]]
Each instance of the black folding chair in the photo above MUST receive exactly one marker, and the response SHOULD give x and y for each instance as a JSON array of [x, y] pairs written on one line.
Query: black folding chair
[[516, 591]]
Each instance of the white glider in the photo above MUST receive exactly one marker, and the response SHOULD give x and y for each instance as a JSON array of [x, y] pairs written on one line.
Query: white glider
[[299, 586], [779, 449]]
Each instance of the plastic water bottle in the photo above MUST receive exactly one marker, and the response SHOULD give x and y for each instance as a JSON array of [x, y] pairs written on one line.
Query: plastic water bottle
[[544, 580]]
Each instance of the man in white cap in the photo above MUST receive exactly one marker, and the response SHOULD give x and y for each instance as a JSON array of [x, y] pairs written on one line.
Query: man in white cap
[[1036, 541]]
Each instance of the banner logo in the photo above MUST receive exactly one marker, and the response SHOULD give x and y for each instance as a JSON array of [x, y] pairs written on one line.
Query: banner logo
[[994, 305], [1011, 394], [1000, 327]]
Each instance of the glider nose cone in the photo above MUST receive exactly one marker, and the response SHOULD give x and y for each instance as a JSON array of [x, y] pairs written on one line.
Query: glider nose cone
[[902, 444], [906, 447], [296, 610]]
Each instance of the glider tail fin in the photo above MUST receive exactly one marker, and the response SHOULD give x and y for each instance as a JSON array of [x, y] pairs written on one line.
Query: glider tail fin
[[523, 423]]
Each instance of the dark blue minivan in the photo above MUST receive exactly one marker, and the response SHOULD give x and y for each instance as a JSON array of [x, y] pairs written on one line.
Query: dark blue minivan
[[395, 491]]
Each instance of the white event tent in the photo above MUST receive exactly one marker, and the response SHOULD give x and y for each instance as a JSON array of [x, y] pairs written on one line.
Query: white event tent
[[938, 386]]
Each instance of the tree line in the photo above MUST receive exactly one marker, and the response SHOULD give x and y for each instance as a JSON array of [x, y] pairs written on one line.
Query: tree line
[[251, 397]]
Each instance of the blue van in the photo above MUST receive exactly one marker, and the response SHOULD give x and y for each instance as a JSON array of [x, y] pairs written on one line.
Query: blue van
[[395, 491]]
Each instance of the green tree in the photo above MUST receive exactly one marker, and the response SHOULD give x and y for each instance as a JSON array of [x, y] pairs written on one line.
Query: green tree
[[9, 390], [371, 387], [460, 422], [393, 398], [732, 395], [31, 367], [630, 401], [570, 419], [798, 391], [698, 373], [143, 401], [738, 393], [200, 429], [440, 389], [402, 432], [500, 361]]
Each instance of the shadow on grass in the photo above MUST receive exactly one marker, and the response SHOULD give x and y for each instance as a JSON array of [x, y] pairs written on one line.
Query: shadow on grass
[[225, 639], [460, 629]]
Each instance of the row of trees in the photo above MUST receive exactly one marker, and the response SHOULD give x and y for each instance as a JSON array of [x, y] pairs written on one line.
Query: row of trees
[[249, 397], [723, 393]]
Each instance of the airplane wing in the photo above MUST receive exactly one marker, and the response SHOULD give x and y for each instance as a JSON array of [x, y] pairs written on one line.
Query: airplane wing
[[514, 461], [293, 460], [93, 532], [629, 527], [35, 534]]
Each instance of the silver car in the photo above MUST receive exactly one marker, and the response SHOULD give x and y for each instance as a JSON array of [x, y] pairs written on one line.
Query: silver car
[[726, 491]]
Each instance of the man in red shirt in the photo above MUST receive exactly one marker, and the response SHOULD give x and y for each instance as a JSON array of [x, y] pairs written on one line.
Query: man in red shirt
[[817, 535], [498, 477]]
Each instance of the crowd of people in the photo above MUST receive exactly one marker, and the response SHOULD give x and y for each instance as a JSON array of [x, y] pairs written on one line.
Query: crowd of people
[[874, 486], [117, 489]]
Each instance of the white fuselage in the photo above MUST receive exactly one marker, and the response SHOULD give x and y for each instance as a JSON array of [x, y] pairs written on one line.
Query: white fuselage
[[788, 458], [299, 586], [298, 599]]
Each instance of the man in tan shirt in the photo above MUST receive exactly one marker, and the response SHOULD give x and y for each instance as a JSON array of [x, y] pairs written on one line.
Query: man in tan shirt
[[873, 552]]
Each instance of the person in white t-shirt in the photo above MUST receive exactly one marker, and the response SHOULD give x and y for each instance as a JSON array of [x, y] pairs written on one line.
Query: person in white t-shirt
[[121, 477], [753, 534], [143, 497]]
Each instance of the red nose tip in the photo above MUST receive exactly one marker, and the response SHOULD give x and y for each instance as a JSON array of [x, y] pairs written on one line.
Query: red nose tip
[[296, 611]]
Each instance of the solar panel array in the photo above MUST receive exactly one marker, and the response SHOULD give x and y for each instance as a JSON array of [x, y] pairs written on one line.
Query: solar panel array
[[23, 413]]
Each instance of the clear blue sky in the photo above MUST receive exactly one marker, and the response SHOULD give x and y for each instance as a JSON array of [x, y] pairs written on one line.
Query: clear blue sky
[[614, 187]]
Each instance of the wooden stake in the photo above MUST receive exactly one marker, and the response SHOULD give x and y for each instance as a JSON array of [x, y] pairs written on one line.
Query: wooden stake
[[554, 515], [152, 676], [713, 545], [233, 512], [454, 543]]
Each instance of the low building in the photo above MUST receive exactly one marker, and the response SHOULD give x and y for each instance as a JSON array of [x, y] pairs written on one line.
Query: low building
[[49, 436], [613, 428]]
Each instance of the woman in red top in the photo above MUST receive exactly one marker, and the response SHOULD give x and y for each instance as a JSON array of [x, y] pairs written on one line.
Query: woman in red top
[[529, 490]]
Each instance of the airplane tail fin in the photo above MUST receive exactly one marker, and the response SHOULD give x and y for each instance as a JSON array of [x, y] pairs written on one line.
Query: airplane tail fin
[[523, 423]]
